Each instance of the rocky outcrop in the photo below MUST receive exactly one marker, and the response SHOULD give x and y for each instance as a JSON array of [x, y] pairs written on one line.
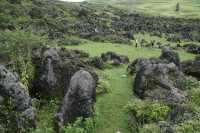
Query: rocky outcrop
[[12, 91], [191, 67], [116, 58], [167, 56], [79, 99], [138, 63], [54, 68], [160, 81]]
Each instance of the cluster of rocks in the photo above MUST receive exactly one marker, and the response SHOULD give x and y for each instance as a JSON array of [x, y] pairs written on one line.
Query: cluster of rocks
[[114, 58], [163, 79], [159, 78], [59, 73]]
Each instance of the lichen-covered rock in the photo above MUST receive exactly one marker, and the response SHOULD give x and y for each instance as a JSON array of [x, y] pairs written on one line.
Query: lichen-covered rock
[[54, 68], [160, 81], [191, 67], [79, 99], [14, 95]]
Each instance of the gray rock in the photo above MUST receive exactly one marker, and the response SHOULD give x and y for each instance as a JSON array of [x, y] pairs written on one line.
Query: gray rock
[[137, 64], [11, 88], [79, 99], [111, 56], [54, 68], [160, 82]]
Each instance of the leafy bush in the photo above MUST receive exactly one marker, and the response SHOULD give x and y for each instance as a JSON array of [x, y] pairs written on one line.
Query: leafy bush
[[190, 126], [81, 126], [149, 128], [148, 111], [18, 44], [103, 86]]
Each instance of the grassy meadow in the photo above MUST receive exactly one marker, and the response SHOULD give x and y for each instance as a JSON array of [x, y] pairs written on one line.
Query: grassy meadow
[[188, 8]]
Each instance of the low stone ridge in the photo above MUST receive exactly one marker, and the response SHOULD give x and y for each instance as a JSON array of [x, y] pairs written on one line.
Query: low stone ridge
[[15, 93], [79, 99], [116, 58], [167, 56], [191, 67], [54, 68]]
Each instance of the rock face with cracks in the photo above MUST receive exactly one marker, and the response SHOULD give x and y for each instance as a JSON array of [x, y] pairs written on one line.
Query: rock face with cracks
[[12, 91], [79, 99]]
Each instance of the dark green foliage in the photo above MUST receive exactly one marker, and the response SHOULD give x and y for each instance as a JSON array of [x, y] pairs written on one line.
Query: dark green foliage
[[18, 45]]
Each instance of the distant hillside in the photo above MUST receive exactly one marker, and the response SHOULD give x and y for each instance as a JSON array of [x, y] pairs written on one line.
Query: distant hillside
[[188, 8]]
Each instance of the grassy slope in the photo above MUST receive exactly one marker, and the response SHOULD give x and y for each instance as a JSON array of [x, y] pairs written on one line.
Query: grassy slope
[[189, 8], [110, 107]]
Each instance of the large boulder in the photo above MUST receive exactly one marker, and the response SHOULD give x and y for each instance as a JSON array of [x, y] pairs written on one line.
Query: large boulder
[[160, 81], [54, 68], [191, 67], [79, 99], [112, 56], [18, 115]]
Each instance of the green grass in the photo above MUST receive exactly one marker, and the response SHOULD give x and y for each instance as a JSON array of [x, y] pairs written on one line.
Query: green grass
[[110, 106], [111, 115], [188, 8]]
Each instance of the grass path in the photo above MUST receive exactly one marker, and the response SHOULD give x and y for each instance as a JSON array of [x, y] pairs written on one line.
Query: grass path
[[110, 106]]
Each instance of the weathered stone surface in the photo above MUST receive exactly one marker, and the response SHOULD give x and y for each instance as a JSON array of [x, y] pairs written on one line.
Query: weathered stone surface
[[12, 91], [161, 82], [79, 99], [54, 68], [191, 67]]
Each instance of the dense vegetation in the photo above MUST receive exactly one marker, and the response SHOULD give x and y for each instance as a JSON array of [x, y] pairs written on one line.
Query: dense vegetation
[[29, 24]]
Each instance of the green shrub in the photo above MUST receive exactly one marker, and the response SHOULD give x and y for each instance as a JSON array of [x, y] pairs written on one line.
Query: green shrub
[[103, 86], [18, 45], [149, 128], [148, 111], [190, 126], [191, 83]]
